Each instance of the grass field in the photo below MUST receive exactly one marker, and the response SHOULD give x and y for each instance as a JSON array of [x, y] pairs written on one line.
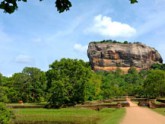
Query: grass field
[[160, 110], [68, 116]]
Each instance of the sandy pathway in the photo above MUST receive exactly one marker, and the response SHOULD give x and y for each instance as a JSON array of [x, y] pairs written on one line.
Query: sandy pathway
[[140, 115]]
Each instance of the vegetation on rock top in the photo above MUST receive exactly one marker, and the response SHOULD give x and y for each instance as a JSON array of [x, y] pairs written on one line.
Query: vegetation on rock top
[[114, 41]]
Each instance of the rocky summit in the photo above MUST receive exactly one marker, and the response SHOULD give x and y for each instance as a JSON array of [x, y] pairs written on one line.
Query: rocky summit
[[109, 56]]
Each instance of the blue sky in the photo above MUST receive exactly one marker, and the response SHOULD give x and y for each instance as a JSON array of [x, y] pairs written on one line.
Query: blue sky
[[36, 34]]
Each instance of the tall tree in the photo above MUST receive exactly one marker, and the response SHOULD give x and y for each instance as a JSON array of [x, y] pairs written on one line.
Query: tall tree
[[31, 84], [93, 87], [112, 85], [3, 89], [133, 81], [154, 83], [67, 79]]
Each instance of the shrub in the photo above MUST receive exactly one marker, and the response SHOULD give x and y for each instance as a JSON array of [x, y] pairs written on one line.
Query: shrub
[[5, 114]]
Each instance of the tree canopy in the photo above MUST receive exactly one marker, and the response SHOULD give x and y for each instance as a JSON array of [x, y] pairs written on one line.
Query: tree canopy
[[71, 81], [9, 6], [67, 79], [154, 84], [5, 114], [29, 85]]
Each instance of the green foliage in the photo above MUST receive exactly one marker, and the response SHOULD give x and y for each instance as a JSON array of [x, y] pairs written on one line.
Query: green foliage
[[133, 1], [4, 81], [71, 81], [112, 84], [9, 6], [5, 114], [114, 41], [0, 79], [158, 66], [29, 85], [134, 82], [63, 5], [107, 41], [125, 42], [67, 79], [4, 88], [132, 70], [137, 42], [3, 94], [116, 84], [93, 87], [154, 84]]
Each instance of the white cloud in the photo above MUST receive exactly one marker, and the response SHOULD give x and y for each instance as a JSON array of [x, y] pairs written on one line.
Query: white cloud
[[24, 59], [80, 48], [104, 26]]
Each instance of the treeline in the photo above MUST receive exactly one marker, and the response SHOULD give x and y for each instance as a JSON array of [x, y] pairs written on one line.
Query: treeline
[[115, 41], [71, 81]]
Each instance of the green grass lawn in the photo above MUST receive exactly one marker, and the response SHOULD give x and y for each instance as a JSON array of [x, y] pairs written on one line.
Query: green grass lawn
[[68, 116], [160, 110]]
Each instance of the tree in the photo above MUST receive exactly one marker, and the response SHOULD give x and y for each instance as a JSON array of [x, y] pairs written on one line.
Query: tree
[[5, 114], [112, 84], [3, 89], [134, 82], [0, 79], [3, 94], [67, 79], [9, 6], [158, 66], [93, 87], [30, 84], [154, 84], [132, 70]]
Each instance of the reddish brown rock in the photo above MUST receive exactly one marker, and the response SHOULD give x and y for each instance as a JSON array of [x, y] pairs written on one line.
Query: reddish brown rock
[[109, 56]]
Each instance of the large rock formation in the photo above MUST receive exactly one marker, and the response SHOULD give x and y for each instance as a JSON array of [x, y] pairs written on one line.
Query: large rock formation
[[108, 56]]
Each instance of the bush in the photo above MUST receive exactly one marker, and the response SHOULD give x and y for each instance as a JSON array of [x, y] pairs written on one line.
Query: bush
[[5, 114]]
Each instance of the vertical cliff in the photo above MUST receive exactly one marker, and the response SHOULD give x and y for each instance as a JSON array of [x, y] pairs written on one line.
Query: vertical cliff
[[108, 56]]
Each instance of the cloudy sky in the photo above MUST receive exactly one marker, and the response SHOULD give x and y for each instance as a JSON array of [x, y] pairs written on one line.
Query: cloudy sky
[[36, 34]]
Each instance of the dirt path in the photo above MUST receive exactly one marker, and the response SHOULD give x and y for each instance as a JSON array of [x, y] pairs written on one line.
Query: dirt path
[[140, 115]]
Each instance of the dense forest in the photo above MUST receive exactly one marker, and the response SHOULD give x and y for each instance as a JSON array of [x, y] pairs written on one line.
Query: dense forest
[[71, 81]]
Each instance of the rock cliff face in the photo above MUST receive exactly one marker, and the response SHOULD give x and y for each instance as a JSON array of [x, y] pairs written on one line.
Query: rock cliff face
[[109, 56]]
